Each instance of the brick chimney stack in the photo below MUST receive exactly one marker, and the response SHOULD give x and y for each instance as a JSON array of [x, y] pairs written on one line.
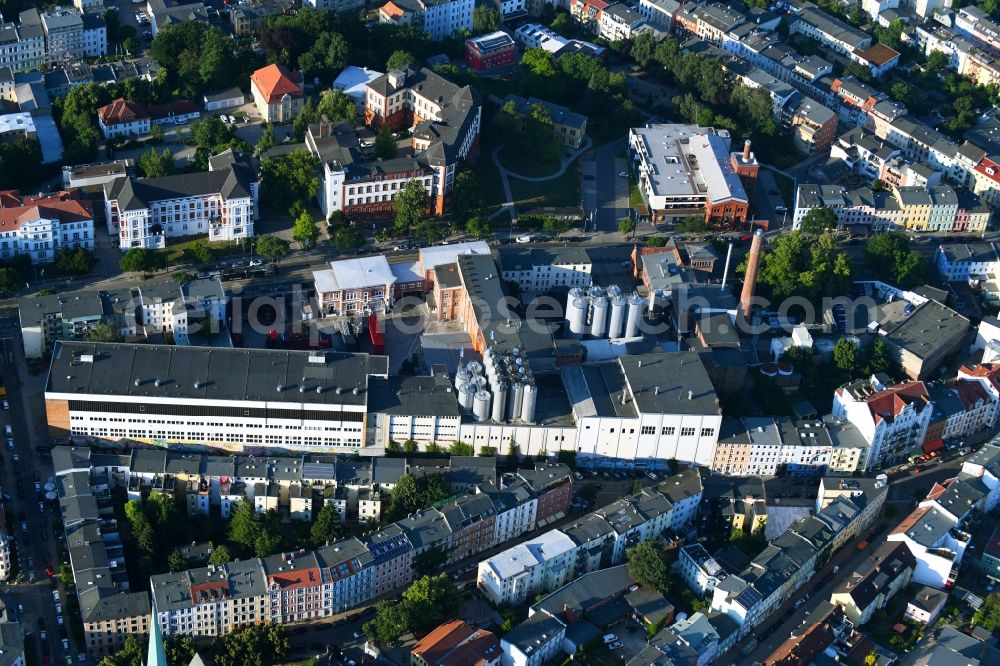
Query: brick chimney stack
[[746, 151], [750, 279]]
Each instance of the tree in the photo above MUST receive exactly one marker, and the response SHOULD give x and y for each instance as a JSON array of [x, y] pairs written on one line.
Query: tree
[[556, 225], [410, 204], [131, 46], [513, 451], [272, 247], [305, 231], [879, 357], [130, 654], [478, 227], [103, 332], [220, 555], [385, 144], [66, 574], [212, 136], [141, 260], [643, 48], [399, 60], [328, 55], [485, 19], [889, 254], [871, 659], [692, 224], [390, 622], [336, 105], [197, 57], [175, 561], [75, 262], [467, 198], [656, 241], [626, 226], [198, 252], [409, 446], [430, 230], [404, 498], [290, 179], [253, 645], [818, 220], [266, 140], [266, 544], [988, 615], [430, 561], [431, 600], [811, 269], [326, 528], [647, 563], [156, 132], [179, 649], [458, 448], [346, 237], [845, 355], [244, 525]]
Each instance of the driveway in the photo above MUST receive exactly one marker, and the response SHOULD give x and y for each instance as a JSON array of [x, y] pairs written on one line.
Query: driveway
[[606, 196]]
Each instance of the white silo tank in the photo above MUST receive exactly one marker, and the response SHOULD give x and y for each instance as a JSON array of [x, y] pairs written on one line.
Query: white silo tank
[[528, 403], [573, 294], [481, 405], [500, 403], [479, 382], [462, 378], [514, 401], [617, 317], [466, 396], [475, 367], [613, 290], [599, 316], [577, 316], [635, 304]]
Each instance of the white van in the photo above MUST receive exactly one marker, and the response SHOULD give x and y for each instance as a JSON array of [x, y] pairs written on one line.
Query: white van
[[523, 239], [609, 638]]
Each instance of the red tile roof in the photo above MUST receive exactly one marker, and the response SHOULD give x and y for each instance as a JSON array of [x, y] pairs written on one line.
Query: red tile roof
[[275, 81], [988, 371], [122, 111], [62, 206], [456, 643], [889, 403], [293, 579]]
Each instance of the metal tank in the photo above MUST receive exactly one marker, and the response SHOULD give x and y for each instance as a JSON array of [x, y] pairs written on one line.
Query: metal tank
[[475, 367], [466, 396], [573, 294], [528, 403], [481, 405], [500, 403], [514, 401], [617, 318], [577, 315], [635, 304], [599, 316], [462, 378]]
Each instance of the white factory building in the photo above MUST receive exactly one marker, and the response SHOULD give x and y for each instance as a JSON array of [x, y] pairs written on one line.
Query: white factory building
[[230, 399]]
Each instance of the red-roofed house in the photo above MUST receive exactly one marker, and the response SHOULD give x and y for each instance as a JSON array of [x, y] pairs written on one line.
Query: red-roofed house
[[456, 643], [987, 375], [277, 93], [40, 226], [295, 586], [893, 420], [123, 117]]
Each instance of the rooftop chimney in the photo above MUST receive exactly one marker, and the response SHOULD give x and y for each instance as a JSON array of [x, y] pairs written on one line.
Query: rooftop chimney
[[746, 150]]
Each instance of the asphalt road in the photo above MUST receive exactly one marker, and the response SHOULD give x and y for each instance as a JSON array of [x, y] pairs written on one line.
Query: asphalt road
[[30, 521]]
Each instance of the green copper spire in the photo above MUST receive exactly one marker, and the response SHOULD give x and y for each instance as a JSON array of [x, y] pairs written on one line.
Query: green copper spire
[[156, 656]]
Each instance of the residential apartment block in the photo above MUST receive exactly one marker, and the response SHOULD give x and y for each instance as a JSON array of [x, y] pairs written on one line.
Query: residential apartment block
[[568, 126], [221, 203], [277, 93], [542, 269], [355, 286], [440, 19], [880, 577], [41, 226]]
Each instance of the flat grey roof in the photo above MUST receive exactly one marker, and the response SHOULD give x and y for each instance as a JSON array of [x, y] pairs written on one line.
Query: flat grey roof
[[221, 374], [670, 383]]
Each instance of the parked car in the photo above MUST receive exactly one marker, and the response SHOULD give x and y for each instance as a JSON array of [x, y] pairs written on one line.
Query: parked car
[[614, 645]]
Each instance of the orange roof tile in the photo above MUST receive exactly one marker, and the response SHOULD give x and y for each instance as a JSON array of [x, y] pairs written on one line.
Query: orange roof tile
[[456, 643], [62, 206], [393, 11], [275, 81], [295, 578], [122, 111], [889, 403]]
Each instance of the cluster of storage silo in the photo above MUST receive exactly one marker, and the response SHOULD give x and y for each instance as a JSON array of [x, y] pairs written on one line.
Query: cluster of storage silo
[[603, 312], [501, 388]]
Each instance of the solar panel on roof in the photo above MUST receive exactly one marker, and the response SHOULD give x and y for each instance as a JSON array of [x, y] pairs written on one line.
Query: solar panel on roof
[[748, 598], [319, 471], [493, 43]]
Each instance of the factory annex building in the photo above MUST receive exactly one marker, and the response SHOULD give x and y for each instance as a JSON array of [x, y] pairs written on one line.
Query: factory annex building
[[233, 399]]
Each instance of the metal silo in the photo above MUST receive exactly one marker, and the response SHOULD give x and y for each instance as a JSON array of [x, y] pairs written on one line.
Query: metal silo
[[514, 401], [577, 316], [635, 304], [573, 294], [528, 403], [500, 403], [617, 317], [462, 378], [481, 405], [466, 396], [599, 316], [475, 367]]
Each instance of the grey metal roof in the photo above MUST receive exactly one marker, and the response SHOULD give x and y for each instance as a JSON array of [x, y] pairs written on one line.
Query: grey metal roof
[[414, 396], [204, 373], [670, 383], [930, 328]]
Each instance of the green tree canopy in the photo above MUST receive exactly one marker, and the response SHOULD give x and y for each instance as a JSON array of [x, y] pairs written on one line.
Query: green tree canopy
[[693, 224], [400, 60], [103, 332], [326, 528], [390, 622], [431, 600], [253, 645], [220, 554], [305, 231], [813, 268], [647, 563], [430, 561], [845, 355], [289, 179], [385, 144], [411, 205], [818, 220], [78, 261], [888, 254], [272, 248], [141, 260], [626, 226], [337, 105], [485, 18], [478, 227]]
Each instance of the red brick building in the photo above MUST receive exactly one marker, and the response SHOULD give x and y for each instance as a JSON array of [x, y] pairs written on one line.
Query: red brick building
[[494, 50], [553, 485]]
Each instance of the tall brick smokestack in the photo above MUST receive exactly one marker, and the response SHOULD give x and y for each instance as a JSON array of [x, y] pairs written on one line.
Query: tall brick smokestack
[[750, 279], [746, 150]]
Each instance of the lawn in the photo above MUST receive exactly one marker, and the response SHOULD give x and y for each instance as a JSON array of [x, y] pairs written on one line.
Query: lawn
[[175, 250], [488, 177], [785, 186], [525, 163], [563, 191], [634, 195]]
